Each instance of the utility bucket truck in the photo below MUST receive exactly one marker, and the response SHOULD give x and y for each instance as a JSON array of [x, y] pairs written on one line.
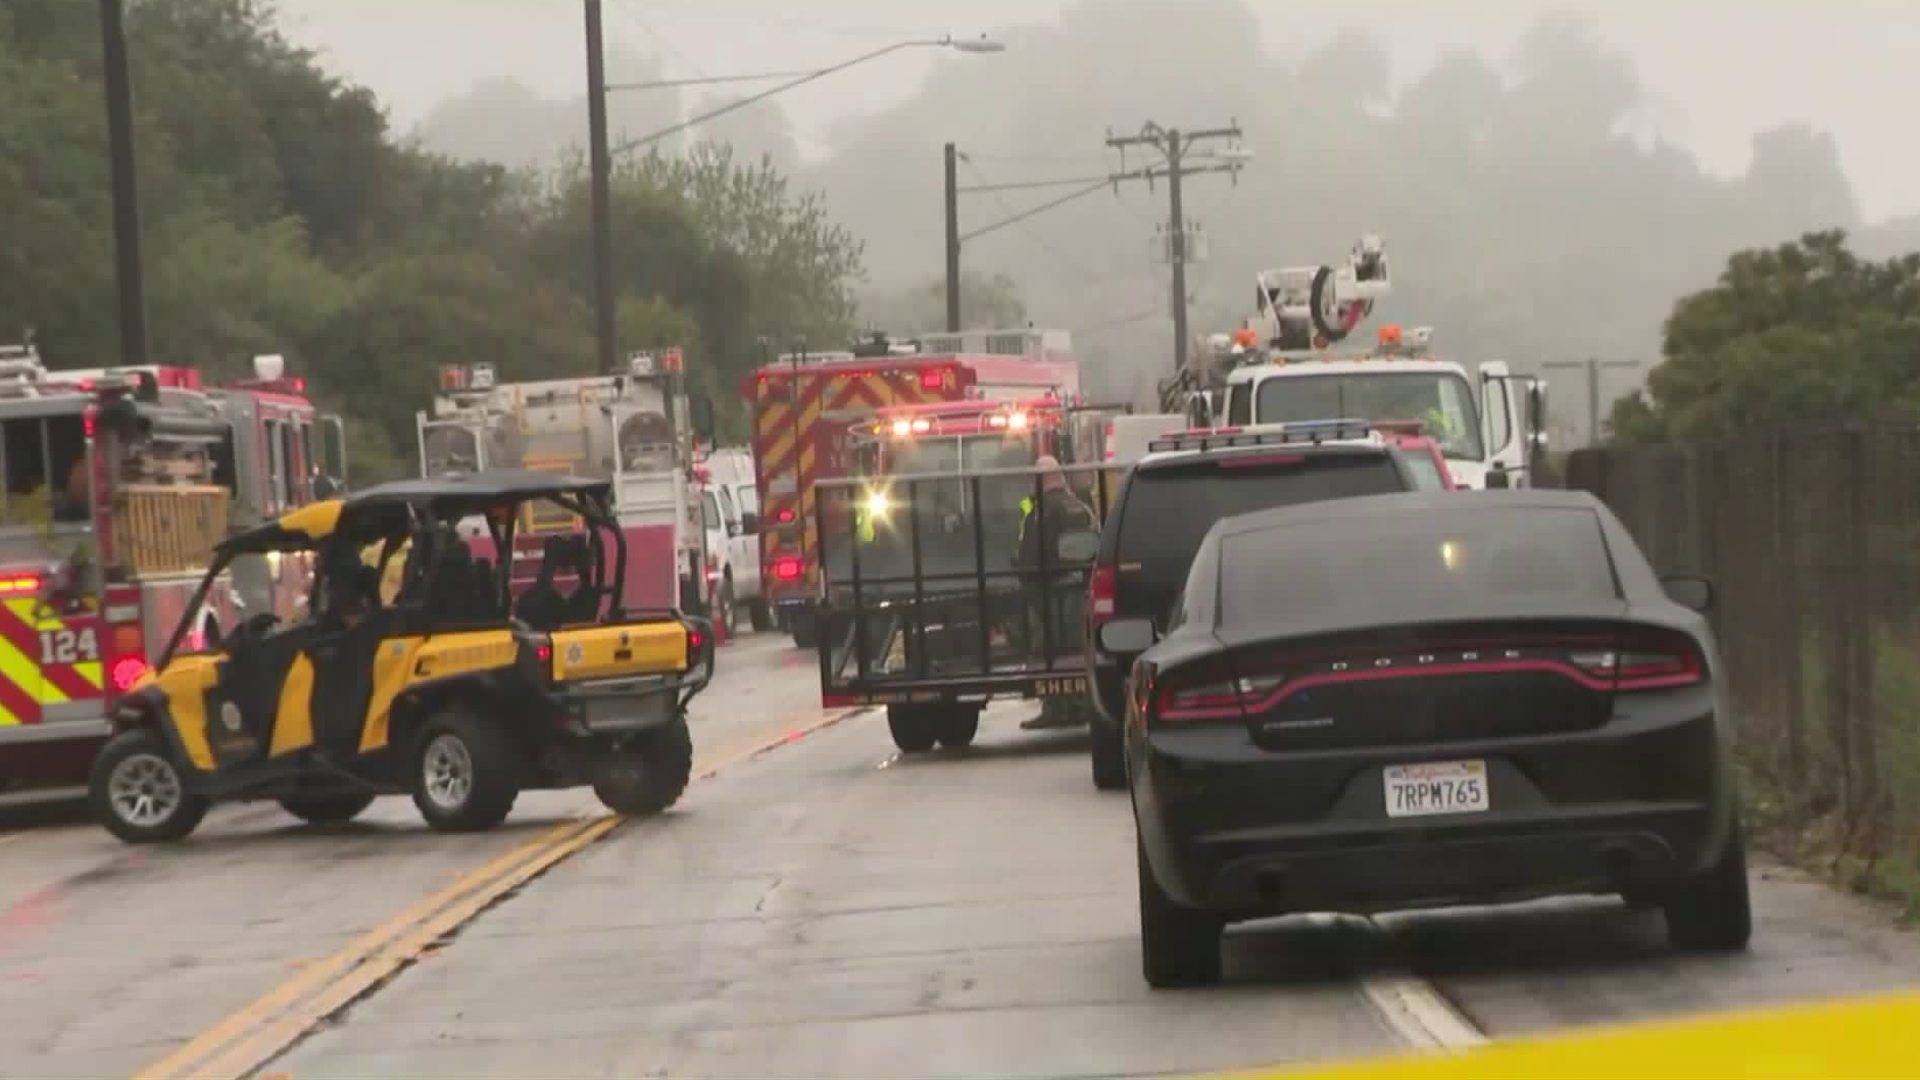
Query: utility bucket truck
[[637, 430], [1284, 365]]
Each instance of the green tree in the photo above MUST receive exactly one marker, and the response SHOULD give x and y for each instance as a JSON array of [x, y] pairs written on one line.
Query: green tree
[[1802, 333]]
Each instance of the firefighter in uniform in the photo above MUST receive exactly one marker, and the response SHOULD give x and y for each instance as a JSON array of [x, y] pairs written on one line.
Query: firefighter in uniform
[[1058, 512]]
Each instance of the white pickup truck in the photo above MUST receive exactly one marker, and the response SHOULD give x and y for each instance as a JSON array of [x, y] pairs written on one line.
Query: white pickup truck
[[731, 483]]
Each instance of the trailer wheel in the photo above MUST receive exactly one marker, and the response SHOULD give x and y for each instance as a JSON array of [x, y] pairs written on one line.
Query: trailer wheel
[[957, 723], [648, 773], [912, 727]]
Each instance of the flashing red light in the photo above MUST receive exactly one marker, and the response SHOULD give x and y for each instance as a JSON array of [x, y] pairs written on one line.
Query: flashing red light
[[695, 639], [787, 569], [784, 517], [543, 653], [23, 584], [126, 671], [930, 379], [300, 385], [89, 423]]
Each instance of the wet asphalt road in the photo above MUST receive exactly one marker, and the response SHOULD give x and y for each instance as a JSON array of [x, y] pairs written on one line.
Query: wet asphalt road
[[820, 909]]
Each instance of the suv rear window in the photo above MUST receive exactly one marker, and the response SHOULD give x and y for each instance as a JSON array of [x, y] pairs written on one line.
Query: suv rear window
[[1168, 510], [1425, 560]]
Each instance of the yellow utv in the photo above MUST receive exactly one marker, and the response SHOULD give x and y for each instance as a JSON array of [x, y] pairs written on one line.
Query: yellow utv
[[450, 689]]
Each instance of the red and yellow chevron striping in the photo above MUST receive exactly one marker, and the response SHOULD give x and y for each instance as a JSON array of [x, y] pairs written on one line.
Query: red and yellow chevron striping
[[45, 659]]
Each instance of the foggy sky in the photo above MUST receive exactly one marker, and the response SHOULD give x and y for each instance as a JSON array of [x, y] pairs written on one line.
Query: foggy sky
[[1721, 69]]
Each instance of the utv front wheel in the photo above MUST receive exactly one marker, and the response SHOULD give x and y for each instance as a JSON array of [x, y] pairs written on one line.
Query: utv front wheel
[[912, 727], [648, 773], [466, 776], [326, 809], [137, 790]]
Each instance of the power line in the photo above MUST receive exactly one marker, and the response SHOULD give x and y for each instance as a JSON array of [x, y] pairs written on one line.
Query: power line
[[1174, 147]]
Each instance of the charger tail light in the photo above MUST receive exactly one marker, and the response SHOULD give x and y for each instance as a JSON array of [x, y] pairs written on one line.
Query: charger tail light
[[1646, 661], [1214, 693]]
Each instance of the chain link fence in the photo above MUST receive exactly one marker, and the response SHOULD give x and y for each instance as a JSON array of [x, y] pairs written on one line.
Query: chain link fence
[[1811, 538]]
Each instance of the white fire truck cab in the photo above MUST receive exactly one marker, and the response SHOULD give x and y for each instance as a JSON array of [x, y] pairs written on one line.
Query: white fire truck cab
[[638, 429], [115, 484]]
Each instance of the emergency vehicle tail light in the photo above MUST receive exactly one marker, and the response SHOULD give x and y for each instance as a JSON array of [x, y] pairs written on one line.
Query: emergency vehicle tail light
[[127, 671], [930, 379], [787, 569], [785, 516], [997, 421], [921, 427]]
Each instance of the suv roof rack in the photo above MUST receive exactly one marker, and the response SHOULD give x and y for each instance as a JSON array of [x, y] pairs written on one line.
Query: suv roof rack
[[1298, 431]]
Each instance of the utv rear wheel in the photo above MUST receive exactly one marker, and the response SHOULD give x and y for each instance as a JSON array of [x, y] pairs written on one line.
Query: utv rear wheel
[[1713, 912], [1179, 946], [648, 773], [467, 774], [1109, 756], [326, 809], [912, 727], [138, 791], [759, 615], [955, 725]]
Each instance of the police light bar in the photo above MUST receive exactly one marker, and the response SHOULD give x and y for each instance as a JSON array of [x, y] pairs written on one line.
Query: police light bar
[[1293, 432]]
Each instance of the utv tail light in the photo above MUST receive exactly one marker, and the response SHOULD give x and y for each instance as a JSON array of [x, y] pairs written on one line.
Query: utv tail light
[[695, 639], [543, 652], [787, 569], [126, 671]]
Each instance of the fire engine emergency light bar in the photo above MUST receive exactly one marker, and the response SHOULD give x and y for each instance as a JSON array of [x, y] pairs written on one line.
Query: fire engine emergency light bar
[[1297, 431]]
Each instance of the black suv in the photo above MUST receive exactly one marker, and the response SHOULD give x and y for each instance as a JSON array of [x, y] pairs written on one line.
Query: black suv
[[1175, 494]]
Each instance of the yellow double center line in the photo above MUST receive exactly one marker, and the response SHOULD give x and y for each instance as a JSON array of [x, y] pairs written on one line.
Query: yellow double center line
[[254, 1035]]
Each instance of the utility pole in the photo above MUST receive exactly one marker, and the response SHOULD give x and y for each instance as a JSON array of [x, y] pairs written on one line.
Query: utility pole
[[953, 239], [1174, 145], [1592, 367], [600, 164], [126, 193]]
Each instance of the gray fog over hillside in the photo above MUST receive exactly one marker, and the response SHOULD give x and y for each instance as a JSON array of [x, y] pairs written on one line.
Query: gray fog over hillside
[[1541, 199]]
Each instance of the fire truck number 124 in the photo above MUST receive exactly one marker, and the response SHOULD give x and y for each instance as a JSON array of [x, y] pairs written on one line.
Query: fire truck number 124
[[66, 647]]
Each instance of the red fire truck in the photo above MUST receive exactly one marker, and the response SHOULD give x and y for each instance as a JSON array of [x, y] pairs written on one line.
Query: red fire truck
[[805, 405], [117, 484]]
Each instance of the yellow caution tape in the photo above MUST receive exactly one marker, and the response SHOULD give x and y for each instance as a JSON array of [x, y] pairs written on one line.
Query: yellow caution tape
[[1847, 1040]]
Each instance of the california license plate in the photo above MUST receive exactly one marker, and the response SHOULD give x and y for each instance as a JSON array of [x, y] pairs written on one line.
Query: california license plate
[[1444, 787]]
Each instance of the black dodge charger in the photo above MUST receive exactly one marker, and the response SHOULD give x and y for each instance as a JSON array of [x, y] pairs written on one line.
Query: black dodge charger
[[1418, 700]]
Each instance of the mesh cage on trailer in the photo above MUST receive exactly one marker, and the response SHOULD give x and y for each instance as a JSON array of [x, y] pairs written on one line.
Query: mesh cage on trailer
[[942, 586]]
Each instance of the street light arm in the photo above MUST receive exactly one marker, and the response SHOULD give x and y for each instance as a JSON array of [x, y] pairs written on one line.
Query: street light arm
[[713, 114]]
